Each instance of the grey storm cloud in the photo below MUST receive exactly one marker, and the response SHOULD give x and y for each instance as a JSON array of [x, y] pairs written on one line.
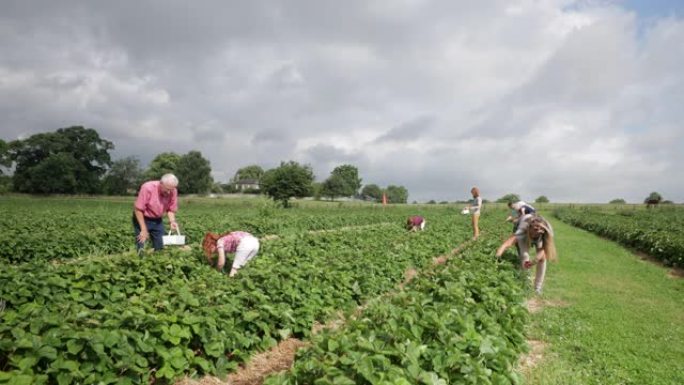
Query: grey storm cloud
[[408, 131], [575, 100]]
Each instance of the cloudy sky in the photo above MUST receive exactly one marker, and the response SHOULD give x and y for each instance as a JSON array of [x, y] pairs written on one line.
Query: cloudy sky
[[581, 101]]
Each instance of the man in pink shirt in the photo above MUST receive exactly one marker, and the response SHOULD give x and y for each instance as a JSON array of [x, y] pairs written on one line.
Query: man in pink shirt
[[154, 199]]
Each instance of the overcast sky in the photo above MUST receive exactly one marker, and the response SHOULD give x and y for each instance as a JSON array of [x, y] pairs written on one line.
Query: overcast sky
[[581, 101]]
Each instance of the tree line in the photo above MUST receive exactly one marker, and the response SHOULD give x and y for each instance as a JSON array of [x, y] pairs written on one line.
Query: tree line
[[76, 160]]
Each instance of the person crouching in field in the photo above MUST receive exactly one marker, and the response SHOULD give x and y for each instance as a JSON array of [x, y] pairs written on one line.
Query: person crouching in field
[[534, 230], [243, 244], [518, 210], [415, 223], [155, 199]]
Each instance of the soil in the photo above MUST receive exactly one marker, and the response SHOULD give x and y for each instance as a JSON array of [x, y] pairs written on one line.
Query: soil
[[535, 304], [535, 355], [261, 365]]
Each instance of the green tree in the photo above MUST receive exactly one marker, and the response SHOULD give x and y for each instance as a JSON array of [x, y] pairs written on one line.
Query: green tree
[[371, 192], [164, 163], [542, 199], [618, 201], [508, 198], [397, 194], [5, 181], [216, 188], [653, 197], [194, 174], [350, 176], [124, 175], [79, 157], [4, 156], [249, 172], [316, 190], [228, 188], [334, 186], [287, 181]]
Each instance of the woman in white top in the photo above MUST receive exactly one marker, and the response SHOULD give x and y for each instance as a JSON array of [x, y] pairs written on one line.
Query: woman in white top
[[474, 208], [534, 230]]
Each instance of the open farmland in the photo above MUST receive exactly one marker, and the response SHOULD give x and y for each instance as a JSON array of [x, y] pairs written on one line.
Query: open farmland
[[81, 307], [87, 315], [658, 232]]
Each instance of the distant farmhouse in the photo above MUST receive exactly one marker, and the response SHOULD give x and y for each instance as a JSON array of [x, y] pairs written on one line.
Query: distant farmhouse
[[247, 185]]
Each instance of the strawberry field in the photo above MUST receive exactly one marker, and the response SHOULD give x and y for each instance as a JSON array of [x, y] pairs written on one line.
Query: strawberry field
[[66, 228], [658, 232], [80, 307]]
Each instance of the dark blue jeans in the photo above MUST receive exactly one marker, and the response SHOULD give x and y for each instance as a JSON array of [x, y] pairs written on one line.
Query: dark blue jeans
[[155, 227]]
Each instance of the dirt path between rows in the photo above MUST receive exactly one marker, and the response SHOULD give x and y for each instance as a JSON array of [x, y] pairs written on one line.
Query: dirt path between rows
[[533, 357], [282, 356]]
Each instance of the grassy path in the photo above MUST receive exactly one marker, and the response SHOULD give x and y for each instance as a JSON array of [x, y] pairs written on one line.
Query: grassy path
[[609, 317]]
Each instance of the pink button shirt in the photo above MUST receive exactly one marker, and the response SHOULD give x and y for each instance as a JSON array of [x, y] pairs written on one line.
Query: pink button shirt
[[230, 242], [153, 202]]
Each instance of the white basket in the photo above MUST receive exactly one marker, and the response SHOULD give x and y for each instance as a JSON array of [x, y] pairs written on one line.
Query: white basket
[[465, 211], [177, 239]]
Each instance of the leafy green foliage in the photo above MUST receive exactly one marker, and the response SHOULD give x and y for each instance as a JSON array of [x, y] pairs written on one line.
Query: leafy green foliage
[[4, 156], [542, 199], [653, 197], [47, 229], [194, 174], [372, 192], [349, 175], [397, 194], [334, 186], [123, 177], [461, 324], [287, 181], [253, 171], [508, 198], [69, 160], [164, 163], [125, 319]]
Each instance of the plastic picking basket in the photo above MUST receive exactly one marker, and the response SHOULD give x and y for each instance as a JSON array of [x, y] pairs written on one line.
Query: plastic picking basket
[[176, 239]]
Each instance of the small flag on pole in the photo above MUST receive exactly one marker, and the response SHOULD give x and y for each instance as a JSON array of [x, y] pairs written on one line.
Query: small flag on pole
[[384, 199]]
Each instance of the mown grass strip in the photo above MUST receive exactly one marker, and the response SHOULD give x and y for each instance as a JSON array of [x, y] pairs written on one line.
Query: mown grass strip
[[623, 319]]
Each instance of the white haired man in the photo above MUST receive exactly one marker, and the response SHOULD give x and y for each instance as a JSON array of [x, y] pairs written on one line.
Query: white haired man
[[155, 198]]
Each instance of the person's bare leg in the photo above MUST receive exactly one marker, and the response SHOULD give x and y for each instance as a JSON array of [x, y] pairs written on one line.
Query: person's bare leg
[[476, 227]]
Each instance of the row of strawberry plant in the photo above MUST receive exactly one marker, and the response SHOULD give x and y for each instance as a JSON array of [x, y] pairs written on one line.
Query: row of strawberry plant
[[51, 229], [462, 323], [659, 233], [131, 320]]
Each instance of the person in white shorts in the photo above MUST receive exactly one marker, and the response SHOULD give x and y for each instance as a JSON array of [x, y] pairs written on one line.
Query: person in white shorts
[[243, 244], [534, 230]]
